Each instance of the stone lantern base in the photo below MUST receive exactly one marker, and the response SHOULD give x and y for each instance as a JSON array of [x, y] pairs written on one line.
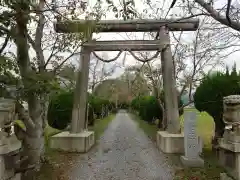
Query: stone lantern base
[[224, 176], [229, 145], [16, 177], [229, 157], [80, 142], [170, 143], [189, 162], [9, 155]]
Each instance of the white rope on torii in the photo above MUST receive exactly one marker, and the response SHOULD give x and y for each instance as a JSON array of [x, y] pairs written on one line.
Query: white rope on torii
[[145, 60], [107, 60], [132, 53]]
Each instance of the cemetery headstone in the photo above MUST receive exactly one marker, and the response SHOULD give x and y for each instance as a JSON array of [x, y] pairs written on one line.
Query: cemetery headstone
[[192, 142]]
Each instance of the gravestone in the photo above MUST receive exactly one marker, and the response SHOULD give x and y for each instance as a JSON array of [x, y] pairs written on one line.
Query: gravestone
[[192, 142]]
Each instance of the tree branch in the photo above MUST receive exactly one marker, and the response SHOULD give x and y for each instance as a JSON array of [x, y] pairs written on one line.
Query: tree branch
[[31, 41], [217, 16], [61, 64], [190, 102], [228, 11], [39, 35], [5, 43], [6, 30], [52, 54], [24, 116]]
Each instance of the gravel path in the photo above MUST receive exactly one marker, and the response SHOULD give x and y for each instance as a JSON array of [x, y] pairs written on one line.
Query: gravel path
[[124, 153]]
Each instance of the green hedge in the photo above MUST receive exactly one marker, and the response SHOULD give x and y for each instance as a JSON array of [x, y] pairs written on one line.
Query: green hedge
[[209, 95], [148, 108], [60, 109]]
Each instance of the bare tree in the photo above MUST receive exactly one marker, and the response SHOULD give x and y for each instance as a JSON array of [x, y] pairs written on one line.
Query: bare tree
[[137, 83], [228, 15], [196, 54], [100, 71]]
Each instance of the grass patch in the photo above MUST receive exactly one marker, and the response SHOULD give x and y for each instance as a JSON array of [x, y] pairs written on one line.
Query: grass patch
[[210, 171], [58, 162], [100, 125], [48, 132], [149, 129]]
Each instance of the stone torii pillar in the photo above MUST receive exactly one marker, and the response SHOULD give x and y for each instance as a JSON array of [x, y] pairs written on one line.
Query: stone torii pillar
[[80, 94], [79, 139], [169, 84], [171, 140]]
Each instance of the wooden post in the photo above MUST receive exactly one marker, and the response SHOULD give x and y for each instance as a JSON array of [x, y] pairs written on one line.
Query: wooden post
[[169, 84], [80, 95]]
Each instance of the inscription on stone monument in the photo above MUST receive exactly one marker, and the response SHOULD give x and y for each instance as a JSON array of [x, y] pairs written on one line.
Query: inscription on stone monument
[[191, 140]]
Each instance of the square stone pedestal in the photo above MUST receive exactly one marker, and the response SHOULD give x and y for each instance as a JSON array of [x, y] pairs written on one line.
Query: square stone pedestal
[[192, 162], [80, 142], [229, 157], [224, 176], [16, 177], [170, 143]]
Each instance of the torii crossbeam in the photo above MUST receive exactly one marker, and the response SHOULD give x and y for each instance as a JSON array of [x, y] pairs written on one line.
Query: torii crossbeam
[[127, 45], [146, 25]]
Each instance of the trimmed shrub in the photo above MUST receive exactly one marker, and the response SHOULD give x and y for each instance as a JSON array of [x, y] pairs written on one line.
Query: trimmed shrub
[[148, 108], [209, 95], [60, 109]]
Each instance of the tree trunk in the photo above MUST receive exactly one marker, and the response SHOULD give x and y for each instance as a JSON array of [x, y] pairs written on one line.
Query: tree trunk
[[33, 140]]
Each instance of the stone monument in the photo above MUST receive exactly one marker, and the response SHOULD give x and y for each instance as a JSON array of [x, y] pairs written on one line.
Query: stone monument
[[9, 145], [192, 142], [229, 145]]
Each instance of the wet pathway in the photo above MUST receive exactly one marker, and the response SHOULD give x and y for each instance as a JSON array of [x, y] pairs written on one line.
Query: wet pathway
[[124, 153]]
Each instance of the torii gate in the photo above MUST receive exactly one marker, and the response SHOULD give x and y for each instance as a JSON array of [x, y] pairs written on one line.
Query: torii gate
[[161, 45]]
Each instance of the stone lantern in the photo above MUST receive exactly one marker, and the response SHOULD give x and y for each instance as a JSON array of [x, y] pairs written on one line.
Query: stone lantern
[[229, 145], [9, 144]]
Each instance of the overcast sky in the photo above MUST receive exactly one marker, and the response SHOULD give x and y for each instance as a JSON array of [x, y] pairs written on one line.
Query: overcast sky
[[139, 6]]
